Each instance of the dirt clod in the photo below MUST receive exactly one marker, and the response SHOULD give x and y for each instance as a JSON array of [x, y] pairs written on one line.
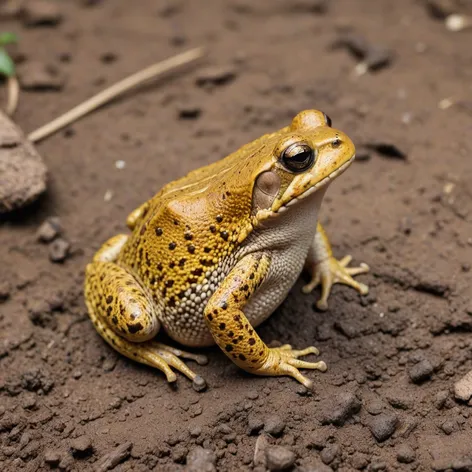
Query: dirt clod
[[81, 447], [405, 454], [41, 13], [215, 75], [39, 76]]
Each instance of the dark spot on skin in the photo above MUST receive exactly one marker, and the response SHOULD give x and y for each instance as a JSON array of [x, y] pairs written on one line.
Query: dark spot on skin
[[251, 341], [251, 276], [153, 280], [198, 271], [246, 288], [215, 311], [171, 302], [172, 264], [224, 235], [191, 248], [140, 252], [192, 280], [169, 283], [159, 266], [234, 341], [222, 326], [134, 328], [109, 299], [148, 261], [109, 310], [206, 262], [182, 262], [228, 193], [230, 334], [228, 348], [219, 218], [260, 353], [242, 357], [237, 318], [250, 332], [164, 292], [188, 236], [240, 337], [142, 230], [176, 223], [213, 229], [224, 306], [206, 249], [181, 294], [159, 231], [172, 246], [210, 317]]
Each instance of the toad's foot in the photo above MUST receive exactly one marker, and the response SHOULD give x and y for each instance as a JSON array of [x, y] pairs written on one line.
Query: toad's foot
[[284, 360], [164, 357], [331, 271]]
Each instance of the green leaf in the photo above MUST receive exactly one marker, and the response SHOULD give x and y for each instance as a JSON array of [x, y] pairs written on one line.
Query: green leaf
[[7, 67], [8, 38]]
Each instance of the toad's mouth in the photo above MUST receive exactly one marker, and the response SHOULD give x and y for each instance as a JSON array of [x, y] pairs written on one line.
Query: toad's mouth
[[322, 183]]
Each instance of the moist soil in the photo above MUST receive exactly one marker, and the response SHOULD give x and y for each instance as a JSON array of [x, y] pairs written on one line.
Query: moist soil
[[387, 401]]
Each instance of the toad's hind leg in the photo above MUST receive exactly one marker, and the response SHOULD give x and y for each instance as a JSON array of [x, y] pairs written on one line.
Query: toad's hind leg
[[127, 317]]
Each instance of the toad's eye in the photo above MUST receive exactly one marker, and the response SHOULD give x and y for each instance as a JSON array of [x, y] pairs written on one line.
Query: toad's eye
[[298, 157]]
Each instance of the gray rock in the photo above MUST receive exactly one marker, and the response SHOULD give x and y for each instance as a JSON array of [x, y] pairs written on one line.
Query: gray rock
[[383, 426], [254, 424], [279, 458], [52, 457], [329, 453], [201, 460], [59, 250], [338, 410], [421, 371], [463, 387], [274, 425]]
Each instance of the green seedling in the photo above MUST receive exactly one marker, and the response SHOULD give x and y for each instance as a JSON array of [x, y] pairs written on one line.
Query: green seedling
[[8, 70]]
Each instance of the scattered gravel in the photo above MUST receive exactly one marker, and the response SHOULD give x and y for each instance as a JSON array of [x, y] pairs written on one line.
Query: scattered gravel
[[383, 426]]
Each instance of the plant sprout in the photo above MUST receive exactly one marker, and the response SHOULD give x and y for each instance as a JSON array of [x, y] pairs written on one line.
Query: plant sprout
[[7, 69]]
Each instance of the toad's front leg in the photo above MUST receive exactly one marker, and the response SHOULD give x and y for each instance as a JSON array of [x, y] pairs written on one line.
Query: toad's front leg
[[326, 270], [236, 337]]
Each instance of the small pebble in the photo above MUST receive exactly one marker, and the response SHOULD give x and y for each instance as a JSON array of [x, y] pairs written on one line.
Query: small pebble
[[201, 460], [421, 371], [383, 426], [49, 229], [59, 250], [405, 454], [274, 425], [279, 458], [463, 388], [215, 75]]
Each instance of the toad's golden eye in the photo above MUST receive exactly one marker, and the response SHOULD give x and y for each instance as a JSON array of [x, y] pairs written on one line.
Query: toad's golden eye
[[298, 157]]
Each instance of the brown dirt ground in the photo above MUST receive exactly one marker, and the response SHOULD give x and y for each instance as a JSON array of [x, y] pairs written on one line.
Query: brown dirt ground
[[67, 400]]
